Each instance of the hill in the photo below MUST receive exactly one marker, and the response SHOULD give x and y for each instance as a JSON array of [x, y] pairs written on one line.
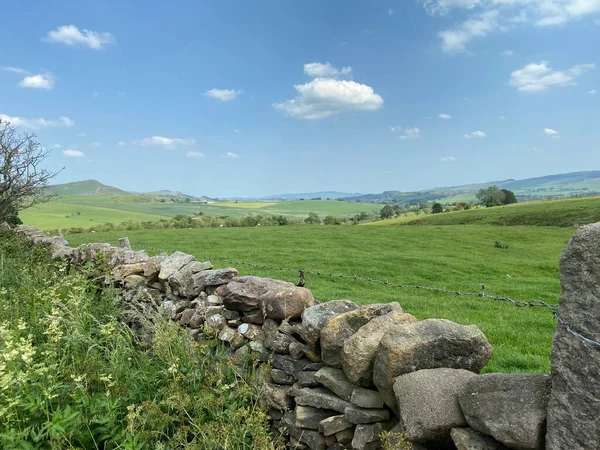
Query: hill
[[309, 195], [86, 187]]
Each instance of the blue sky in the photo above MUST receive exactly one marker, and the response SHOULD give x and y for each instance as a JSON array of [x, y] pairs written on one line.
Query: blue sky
[[236, 98]]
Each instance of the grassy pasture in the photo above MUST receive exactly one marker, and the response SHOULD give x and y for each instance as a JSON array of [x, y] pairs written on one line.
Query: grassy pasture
[[453, 257]]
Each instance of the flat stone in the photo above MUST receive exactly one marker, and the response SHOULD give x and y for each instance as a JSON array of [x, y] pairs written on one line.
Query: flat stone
[[280, 377], [288, 364], [278, 342], [339, 328], [321, 398], [180, 279], [309, 417], [366, 437], [334, 424], [201, 280], [172, 263], [358, 415], [335, 380], [251, 332], [316, 316], [469, 439], [296, 350], [344, 437], [366, 398], [509, 407], [254, 316], [307, 379]]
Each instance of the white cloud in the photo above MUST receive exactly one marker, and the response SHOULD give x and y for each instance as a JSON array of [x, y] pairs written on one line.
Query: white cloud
[[80, 134], [225, 95], [551, 133], [231, 155], [57, 146], [39, 81], [443, 7], [592, 92], [538, 77], [390, 12], [410, 133], [96, 144], [73, 153], [475, 134], [195, 155], [445, 116], [15, 70], [507, 52], [168, 143], [320, 70], [72, 36], [36, 124], [121, 143], [448, 159], [323, 97], [455, 40]]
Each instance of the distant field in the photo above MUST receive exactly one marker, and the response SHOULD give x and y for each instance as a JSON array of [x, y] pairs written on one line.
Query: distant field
[[453, 257]]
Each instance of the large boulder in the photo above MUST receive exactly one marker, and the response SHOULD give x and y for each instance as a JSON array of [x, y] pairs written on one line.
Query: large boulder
[[358, 352], [342, 326], [509, 407], [575, 392], [172, 264], [277, 299], [316, 316], [428, 344], [428, 402], [180, 280]]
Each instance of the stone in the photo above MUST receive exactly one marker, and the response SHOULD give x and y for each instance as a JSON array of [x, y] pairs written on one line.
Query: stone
[[358, 415], [232, 337], [313, 439], [251, 332], [339, 328], [180, 279], [358, 352], [275, 396], [509, 407], [278, 342], [135, 281], [335, 380], [320, 398], [334, 424], [214, 300], [309, 417], [575, 365], [217, 277], [307, 378], [314, 366], [428, 401], [196, 321], [216, 322], [314, 318], [258, 351], [254, 317], [366, 398], [331, 443], [296, 350], [276, 299], [280, 377], [427, 344], [288, 364], [172, 263], [469, 439], [344, 437], [231, 315], [312, 354], [366, 437]]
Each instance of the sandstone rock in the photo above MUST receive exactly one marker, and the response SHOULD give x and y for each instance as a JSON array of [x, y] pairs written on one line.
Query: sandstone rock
[[335, 380], [366, 398], [316, 316], [427, 344], [135, 281], [575, 394], [358, 352], [334, 424], [469, 439], [366, 437], [173, 263], [309, 417], [339, 328], [428, 401], [320, 398], [254, 317], [201, 280], [196, 321], [509, 407], [275, 396], [358, 415]]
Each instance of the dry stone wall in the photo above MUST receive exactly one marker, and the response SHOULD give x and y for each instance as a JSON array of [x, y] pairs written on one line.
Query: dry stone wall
[[341, 376]]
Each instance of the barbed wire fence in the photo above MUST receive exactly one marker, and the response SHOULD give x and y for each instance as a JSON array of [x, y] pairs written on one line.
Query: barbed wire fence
[[553, 308]]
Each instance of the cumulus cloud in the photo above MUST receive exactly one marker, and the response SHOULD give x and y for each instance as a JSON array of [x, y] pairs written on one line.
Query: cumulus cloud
[[551, 133], [39, 81], [324, 97], [72, 36], [225, 95], [445, 116], [37, 124], [538, 77], [475, 134], [165, 142], [195, 155], [455, 40], [231, 155], [410, 133], [71, 153], [443, 7], [448, 159], [324, 70]]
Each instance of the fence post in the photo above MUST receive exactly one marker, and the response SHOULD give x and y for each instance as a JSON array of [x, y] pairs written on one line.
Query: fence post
[[574, 406]]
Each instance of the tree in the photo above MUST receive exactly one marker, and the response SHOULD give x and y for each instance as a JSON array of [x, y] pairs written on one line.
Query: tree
[[312, 219], [437, 208], [22, 180], [491, 196], [387, 212], [509, 197], [332, 220]]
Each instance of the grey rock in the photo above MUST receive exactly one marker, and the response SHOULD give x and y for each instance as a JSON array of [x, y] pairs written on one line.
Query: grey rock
[[201, 280], [316, 316], [428, 401], [314, 366], [344, 437], [216, 322], [258, 351], [469, 439], [135, 281], [320, 398], [254, 317], [358, 352], [296, 350], [575, 366], [180, 279], [172, 263], [214, 300], [307, 378], [335, 380], [278, 342], [231, 315], [275, 396], [309, 417], [366, 437], [358, 415], [334, 424], [288, 364], [280, 377], [509, 407], [428, 344], [196, 321], [339, 328], [251, 332], [366, 398]]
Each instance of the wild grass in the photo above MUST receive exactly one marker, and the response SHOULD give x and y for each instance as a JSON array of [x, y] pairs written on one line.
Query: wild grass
[[73, 376]]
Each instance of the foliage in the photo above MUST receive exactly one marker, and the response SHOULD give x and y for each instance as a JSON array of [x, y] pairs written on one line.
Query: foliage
[[72, 377], [491, 196], [509, 197], [437, 208], [312, 219], [332, 220], [387, 212], [22, 180]]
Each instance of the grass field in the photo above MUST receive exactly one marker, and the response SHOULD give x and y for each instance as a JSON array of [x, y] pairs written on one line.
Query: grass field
[[453, 257]]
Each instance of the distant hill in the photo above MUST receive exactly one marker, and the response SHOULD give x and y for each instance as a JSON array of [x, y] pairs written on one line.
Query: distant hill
[[167, 193], [309, 195], [86, 187], [550, 186]]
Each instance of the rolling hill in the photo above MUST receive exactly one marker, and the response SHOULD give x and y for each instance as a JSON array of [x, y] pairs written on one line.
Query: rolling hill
[[86, 187]]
